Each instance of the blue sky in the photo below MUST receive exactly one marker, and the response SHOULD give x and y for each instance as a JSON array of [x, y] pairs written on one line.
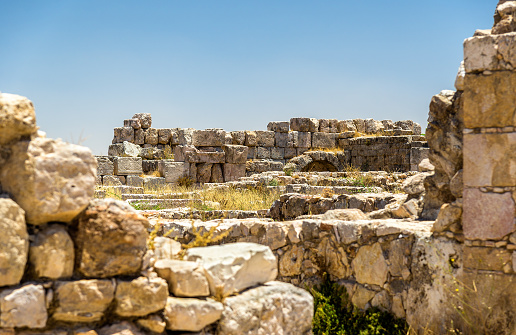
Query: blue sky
[[88, 65]]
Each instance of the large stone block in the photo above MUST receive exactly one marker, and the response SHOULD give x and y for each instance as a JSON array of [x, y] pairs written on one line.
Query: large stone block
[[126, 134], [370, 266], [185, 279], [17, 118], [191, 314], [275, 308], [104, 165], [50, 179], [127, 165], [487, 216], [164, 135], [304, 139], [151, 136], [490, 159], [278, 153], [238, 137], [373, 127], [217, 176], [279, 126], [490, 53], [14, 242], [233, 172], [233, 267], [139, 136], [489, 100], [140, 296], [236, 154], [111, 181], [209, 138], [145, 119], [263, 152], [293, 139], [323, 140], [265, 138], [304, 124], [251, 140], [185, 135], [111, 239], [173, 171], [205, 157], [346, 125], [83, 300], [135, 123], [280, 139], [324, 126], [23, 307], [491, 259], [52, 253]]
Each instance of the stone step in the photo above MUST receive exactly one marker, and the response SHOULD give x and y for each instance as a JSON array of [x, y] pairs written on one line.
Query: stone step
[[185, 195], [158, 204], [308, 189]]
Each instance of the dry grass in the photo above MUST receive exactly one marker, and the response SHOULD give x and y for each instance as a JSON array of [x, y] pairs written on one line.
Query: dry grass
[[233, 199]]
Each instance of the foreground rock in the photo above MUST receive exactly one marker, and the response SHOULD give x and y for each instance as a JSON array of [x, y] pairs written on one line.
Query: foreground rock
[[275, 308], [17, 118], [111, 239], [50, 179], [14, 243], [191, 314]]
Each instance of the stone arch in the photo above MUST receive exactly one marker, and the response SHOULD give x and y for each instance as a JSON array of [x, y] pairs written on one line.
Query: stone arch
[[317, 161]]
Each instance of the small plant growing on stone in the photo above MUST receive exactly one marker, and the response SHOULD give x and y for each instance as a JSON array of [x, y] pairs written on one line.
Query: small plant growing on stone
[[203, 239], [185, 182], [273, 182]]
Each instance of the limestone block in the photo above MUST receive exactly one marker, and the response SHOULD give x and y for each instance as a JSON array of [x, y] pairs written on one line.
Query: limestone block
[[459, 79], [52, 253], [236, 154], [265, 138], [362, 296], [291, 261], [449, 214], [490, 53], [14, 242], [388, 124], [173, 171], [278, 153], [251, 140], [23, 307], [347, 214], [417, 155], [185, 279], [333, 125], [165, 248], [209, 138], [17, 118], [275, 308], [180, 152], [164, 135], [263, 153], [279, 126], [370, 266], [130, 150], [111, 239], [191, 314], [359, 125], [346, 125], [205, 157], [487, 216], [293, 139], [203, 172], [184, 136], [233, 267], [414, 185], [304, 139], [228, 139], [111, 181], [323, 140], [127, 165], [126, 134], [324, 126], [51, 180], [134, 181], [482, 258], [154, 183], [154, 323], [304, 124], [145, 119], [115, 149], [135, 123], [490, 159], [116, 135], [233, 172], [152, 153], [140, 296], [280, 139], [82, 300], [139, 136], [104, 165], [217, 175], [456, 184], [151, 136], [122, 328], [238, 137], [290, 153], [373, 126]]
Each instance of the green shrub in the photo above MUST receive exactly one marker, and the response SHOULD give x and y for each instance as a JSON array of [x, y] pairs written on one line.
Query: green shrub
[[334, 314]]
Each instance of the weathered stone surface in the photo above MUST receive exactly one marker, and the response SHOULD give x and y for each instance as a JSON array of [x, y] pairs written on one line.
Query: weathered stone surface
[[203, 172], [275, 308], [323, 140], [265, 138], [17, 118], [82, 300], [14, 242], [459, 79], [293, 139], [291, 261], [278, 126], [281, 139], [134, 181], [492, 259], [350, 214], [304, 139], [104, 165], [487, 216], [448, 215], [191, 314], [205, 157], [128, 165], [135, 123], [362, 297], [154, 323], [233, 267], [51, 180], [139, 137], [236, 154], [140, 296], [130, 150], [456, 184], [209, 138], [126, 134], [111, 239], [346, 125], [151, 136], [122, 328], [498, 164], [145, 119], [165, 248], [278, 153], [304, 124], [111, 181], [414, 185], [217, 175], [251, 139], [263, 153], [372, 126], [173, 171], [185, 279], [164, 135], [52, 253], [233, 172], [238, 137], [23, 307], [369, 265]]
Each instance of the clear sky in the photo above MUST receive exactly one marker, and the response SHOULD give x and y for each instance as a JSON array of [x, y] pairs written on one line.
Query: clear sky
[[232, 64]]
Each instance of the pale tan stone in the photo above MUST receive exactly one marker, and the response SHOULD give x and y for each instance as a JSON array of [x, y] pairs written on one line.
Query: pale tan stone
[[348, 214], [369, 265], [362, 296], [83, 300], [397, 307], [122, 328], [154, 323], [291, 261], [185, 279], [275, 236], [17, 118], [166, 248], [141, 296], [51, 180], [23, 307], [448, 215], [487, 215], [191, 314], [52, 253], [14, 243]]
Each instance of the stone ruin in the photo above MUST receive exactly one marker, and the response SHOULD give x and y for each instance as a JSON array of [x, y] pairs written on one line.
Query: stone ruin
[[79, 266]]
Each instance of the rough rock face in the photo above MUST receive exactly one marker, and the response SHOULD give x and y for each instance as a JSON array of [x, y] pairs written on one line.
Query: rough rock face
[[23, 307], [140, 296], [504, 17], [50, 179], [191, 314], [17, 118], [14, 243], [444, 135], [275, 308], [111, 239]]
